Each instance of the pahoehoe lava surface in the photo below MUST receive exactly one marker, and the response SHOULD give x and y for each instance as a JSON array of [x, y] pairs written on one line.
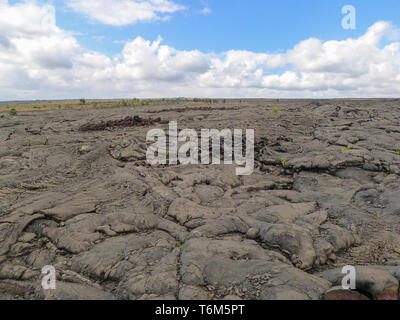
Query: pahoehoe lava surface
[[76, 193]]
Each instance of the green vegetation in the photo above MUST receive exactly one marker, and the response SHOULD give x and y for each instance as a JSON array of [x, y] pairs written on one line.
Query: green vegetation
[[276, 111], [177, 244], [283, 163], [207, 101], [14, 108]]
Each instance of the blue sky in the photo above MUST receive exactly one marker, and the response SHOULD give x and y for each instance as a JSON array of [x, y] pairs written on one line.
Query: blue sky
[[255, 25], [115, 45]]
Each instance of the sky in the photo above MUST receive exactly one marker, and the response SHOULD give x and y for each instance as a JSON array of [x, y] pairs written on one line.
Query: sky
[[67, 49]]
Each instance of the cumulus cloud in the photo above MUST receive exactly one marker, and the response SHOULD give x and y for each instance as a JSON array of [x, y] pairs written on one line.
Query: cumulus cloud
[[149, 61], [38, 60], [125, 12], [31, 47]]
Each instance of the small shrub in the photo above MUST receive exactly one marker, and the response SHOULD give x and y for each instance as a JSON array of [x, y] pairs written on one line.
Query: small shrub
[[13, 112], [276, 111], [82, 101], [283, 163], [177, 244]]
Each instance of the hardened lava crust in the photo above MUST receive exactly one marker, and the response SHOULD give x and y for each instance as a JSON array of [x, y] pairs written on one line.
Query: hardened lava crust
[[77, 193]]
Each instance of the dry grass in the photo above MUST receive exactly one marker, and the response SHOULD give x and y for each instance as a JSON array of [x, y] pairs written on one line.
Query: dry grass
[[77, 104]]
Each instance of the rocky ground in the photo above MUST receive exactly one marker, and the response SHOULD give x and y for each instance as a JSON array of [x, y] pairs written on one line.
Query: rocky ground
[[325, 193]]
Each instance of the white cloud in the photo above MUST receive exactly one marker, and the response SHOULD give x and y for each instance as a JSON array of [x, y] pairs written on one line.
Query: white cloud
[[31, 45], [206, 11], [125, 12], [38, 60], [149, 61]]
